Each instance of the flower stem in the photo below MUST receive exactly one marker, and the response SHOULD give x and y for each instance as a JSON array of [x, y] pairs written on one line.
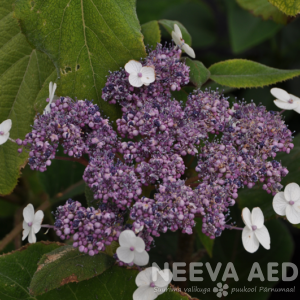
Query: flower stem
[[192, 180], [233, 227], [81, 160]]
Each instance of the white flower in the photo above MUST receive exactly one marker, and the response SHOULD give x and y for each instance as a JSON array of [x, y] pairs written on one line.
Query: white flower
[[287, 203], [132, 249], [139, 75], [52, 88], [151, 283], [32, 223], [179, 41], [5, 127], [255, 231], [286, 101]]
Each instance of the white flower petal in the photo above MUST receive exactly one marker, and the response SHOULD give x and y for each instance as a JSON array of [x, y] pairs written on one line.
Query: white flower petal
[[53, 92], [161, 290], [263, 237], [144, 293], [177, 30], [145, 277], [26, 230], [126, 237], [246, 216], [176, 38], [189, 50], [297, 109], [31, 237], [280, 94], [292, 214], [5, 126], [294, 98], [141, 258], [164, 277], [280, 203], [133, 66], [297, 206], [250, 241], [28, 213], [37, 222], [135, 80], [4, 138], [257, 217], [285, 105], [138, 244], [50, 88], [125, 255], [47, 109], [292, 192], [148, 75]]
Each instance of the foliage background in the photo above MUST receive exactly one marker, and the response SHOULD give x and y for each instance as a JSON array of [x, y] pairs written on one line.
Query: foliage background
[[220, 30]]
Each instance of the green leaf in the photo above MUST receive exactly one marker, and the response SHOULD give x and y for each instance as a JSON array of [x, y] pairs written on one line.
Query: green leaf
[[84, 39], [252, 31], [198, 72], [169, 26], [229, 248], [64, 265], [17, 269], [289, 7], [151, 33], [264, 9], [23, 73], [207, 242], [242, 73]]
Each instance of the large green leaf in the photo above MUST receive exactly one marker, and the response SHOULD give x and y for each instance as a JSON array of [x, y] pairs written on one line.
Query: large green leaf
[[169, 26], [85, 39], [229, 248], [151, 33], [64, 265], [264, 9], [247, 30], [289, 7], [18, 268], [23, 73], [198, 72], [242, 73]]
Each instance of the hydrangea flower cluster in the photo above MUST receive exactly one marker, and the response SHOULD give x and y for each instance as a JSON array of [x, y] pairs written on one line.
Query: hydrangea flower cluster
[[146, 152]]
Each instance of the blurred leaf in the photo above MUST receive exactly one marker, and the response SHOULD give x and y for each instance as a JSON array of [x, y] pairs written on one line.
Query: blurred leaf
[[154, 9], [17, 269], [85, 40], [60, 175], [64, 265], [246, 30], [289, 7], [89, 195], [207, 242], [23, 73], [151, 33], [242, 73], [198, 19], [198, 72], [264, 9], [7, 209], [229, 248], [169, 26]]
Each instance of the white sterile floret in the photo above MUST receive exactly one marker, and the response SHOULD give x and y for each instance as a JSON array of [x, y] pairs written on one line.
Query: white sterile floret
[[179, 41], [285, 100], [5, 127], [151, 283], [52, 88], [255, 232], [287, 203], [132, 249], [32, 223], [139, 75]]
